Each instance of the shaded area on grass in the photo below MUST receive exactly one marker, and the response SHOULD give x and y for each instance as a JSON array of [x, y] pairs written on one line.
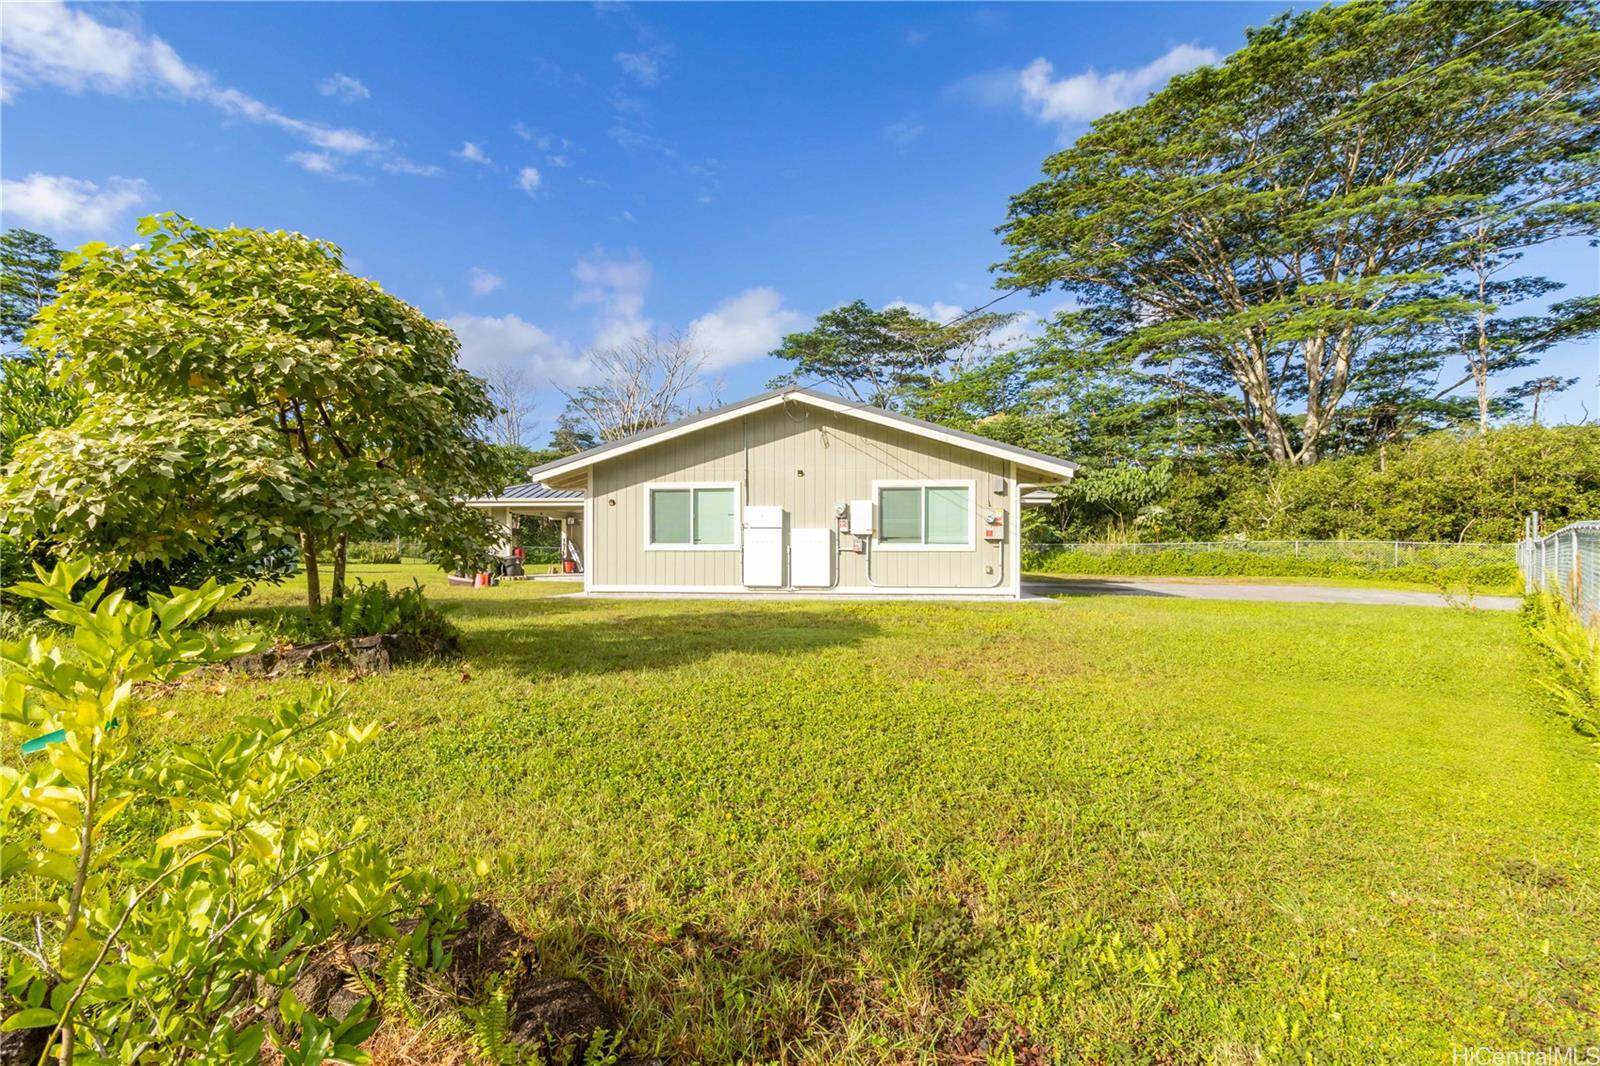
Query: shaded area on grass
[[571, 639]]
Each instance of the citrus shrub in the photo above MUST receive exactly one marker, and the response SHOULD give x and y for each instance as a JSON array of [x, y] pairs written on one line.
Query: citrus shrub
[[186, 948]]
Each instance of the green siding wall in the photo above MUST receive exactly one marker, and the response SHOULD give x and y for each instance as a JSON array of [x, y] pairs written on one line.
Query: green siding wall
[[804, 460]]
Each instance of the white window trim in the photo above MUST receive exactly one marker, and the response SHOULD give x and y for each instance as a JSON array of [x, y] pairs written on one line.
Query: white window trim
[[738, 511], [878, 543]]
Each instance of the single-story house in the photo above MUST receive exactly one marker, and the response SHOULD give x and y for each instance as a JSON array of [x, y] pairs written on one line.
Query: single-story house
[[793, 491]]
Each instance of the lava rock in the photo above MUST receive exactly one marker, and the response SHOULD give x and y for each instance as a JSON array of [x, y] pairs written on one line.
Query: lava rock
[[487, 947], [376, 654], [555, 1014], [320, 983], [22, 1047]]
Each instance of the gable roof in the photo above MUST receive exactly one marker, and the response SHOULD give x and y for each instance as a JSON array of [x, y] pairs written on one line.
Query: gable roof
[[1033, 467]]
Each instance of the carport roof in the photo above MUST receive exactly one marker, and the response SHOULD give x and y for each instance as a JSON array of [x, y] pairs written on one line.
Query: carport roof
[[531, 492]]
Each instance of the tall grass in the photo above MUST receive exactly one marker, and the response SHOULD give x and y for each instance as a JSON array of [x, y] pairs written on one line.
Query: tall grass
[[1568, 653]]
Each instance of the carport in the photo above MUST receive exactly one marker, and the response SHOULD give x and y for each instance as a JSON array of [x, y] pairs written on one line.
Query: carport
[[516, 502]]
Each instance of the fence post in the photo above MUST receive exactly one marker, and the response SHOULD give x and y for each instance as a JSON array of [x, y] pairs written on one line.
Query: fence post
[[1397, 553]]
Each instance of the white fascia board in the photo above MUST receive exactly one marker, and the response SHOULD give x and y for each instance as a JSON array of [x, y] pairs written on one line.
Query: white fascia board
[[1042, 464]]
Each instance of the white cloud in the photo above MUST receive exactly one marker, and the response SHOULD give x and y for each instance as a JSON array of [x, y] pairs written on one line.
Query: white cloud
[[51, 44], [617, 287], [315, 162], [70, 205], [344, 87], [558, 161], [528, 180], [915, 38], [1086, 96], [472, 152], [483, 282], [744, 327], [903, 134], [489, 341], [401, 165], [642, 67]]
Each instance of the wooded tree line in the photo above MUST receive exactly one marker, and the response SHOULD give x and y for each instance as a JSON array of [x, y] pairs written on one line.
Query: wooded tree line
[[1310, 252]]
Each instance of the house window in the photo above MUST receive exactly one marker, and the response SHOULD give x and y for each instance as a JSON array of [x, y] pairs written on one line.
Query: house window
[[693, 516], [925, 515]]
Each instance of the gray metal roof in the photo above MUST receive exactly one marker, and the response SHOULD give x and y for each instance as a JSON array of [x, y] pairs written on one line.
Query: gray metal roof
[[595, 454], [531, 490]]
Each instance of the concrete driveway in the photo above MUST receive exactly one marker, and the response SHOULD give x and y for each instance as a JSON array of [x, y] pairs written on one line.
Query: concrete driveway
[[1038, 585]]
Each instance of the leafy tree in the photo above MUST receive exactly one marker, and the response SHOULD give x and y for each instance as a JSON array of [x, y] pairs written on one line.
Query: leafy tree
[[1130, 494], [34, 396], [242, 386], [884, 357], [1443, 486], [570, 436], [187, 950], [30, 266], [1271, 222]]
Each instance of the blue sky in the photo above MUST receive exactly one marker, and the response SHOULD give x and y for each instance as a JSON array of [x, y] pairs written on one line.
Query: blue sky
[[550, 177]]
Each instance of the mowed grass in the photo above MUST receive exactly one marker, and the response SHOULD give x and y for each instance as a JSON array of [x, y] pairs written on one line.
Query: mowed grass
[[1116, 829]]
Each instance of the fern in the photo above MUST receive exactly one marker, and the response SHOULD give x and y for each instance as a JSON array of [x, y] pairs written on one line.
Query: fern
[[489, 1025], [394, 988]]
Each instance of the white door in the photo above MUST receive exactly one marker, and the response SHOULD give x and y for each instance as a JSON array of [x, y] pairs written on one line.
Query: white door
[[764, 547]]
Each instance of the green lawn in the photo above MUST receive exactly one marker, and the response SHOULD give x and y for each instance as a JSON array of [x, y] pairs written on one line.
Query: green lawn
[[1123, 829]]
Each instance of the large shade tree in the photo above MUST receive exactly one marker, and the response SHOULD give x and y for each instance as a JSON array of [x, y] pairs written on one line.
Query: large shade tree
[[30, 267], [1268, 224], [242, 387], [887, 357]]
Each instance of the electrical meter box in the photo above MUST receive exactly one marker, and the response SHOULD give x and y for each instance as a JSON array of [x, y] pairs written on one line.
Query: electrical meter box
[[994, 525], [861, 518]]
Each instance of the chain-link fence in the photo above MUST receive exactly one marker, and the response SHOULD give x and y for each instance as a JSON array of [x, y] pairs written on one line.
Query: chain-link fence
[[1375, 554], [1568, 562]]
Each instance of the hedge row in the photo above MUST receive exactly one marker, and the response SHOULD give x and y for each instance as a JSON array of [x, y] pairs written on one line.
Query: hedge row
[[1498, 577]]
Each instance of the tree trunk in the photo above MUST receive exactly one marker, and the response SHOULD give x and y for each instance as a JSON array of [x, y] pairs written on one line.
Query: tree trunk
[[1480, 365], [308, 554], [340, 548]]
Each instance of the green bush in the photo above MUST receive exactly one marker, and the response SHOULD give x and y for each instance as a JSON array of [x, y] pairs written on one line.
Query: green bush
[[366, 610], [374, 552], [184, 949], [1445, 486], [1483, 576], [1568, 656]]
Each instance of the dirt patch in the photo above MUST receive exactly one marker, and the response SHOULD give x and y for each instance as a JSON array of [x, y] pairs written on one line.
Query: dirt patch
[[1533, 874], [980, 1037]]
